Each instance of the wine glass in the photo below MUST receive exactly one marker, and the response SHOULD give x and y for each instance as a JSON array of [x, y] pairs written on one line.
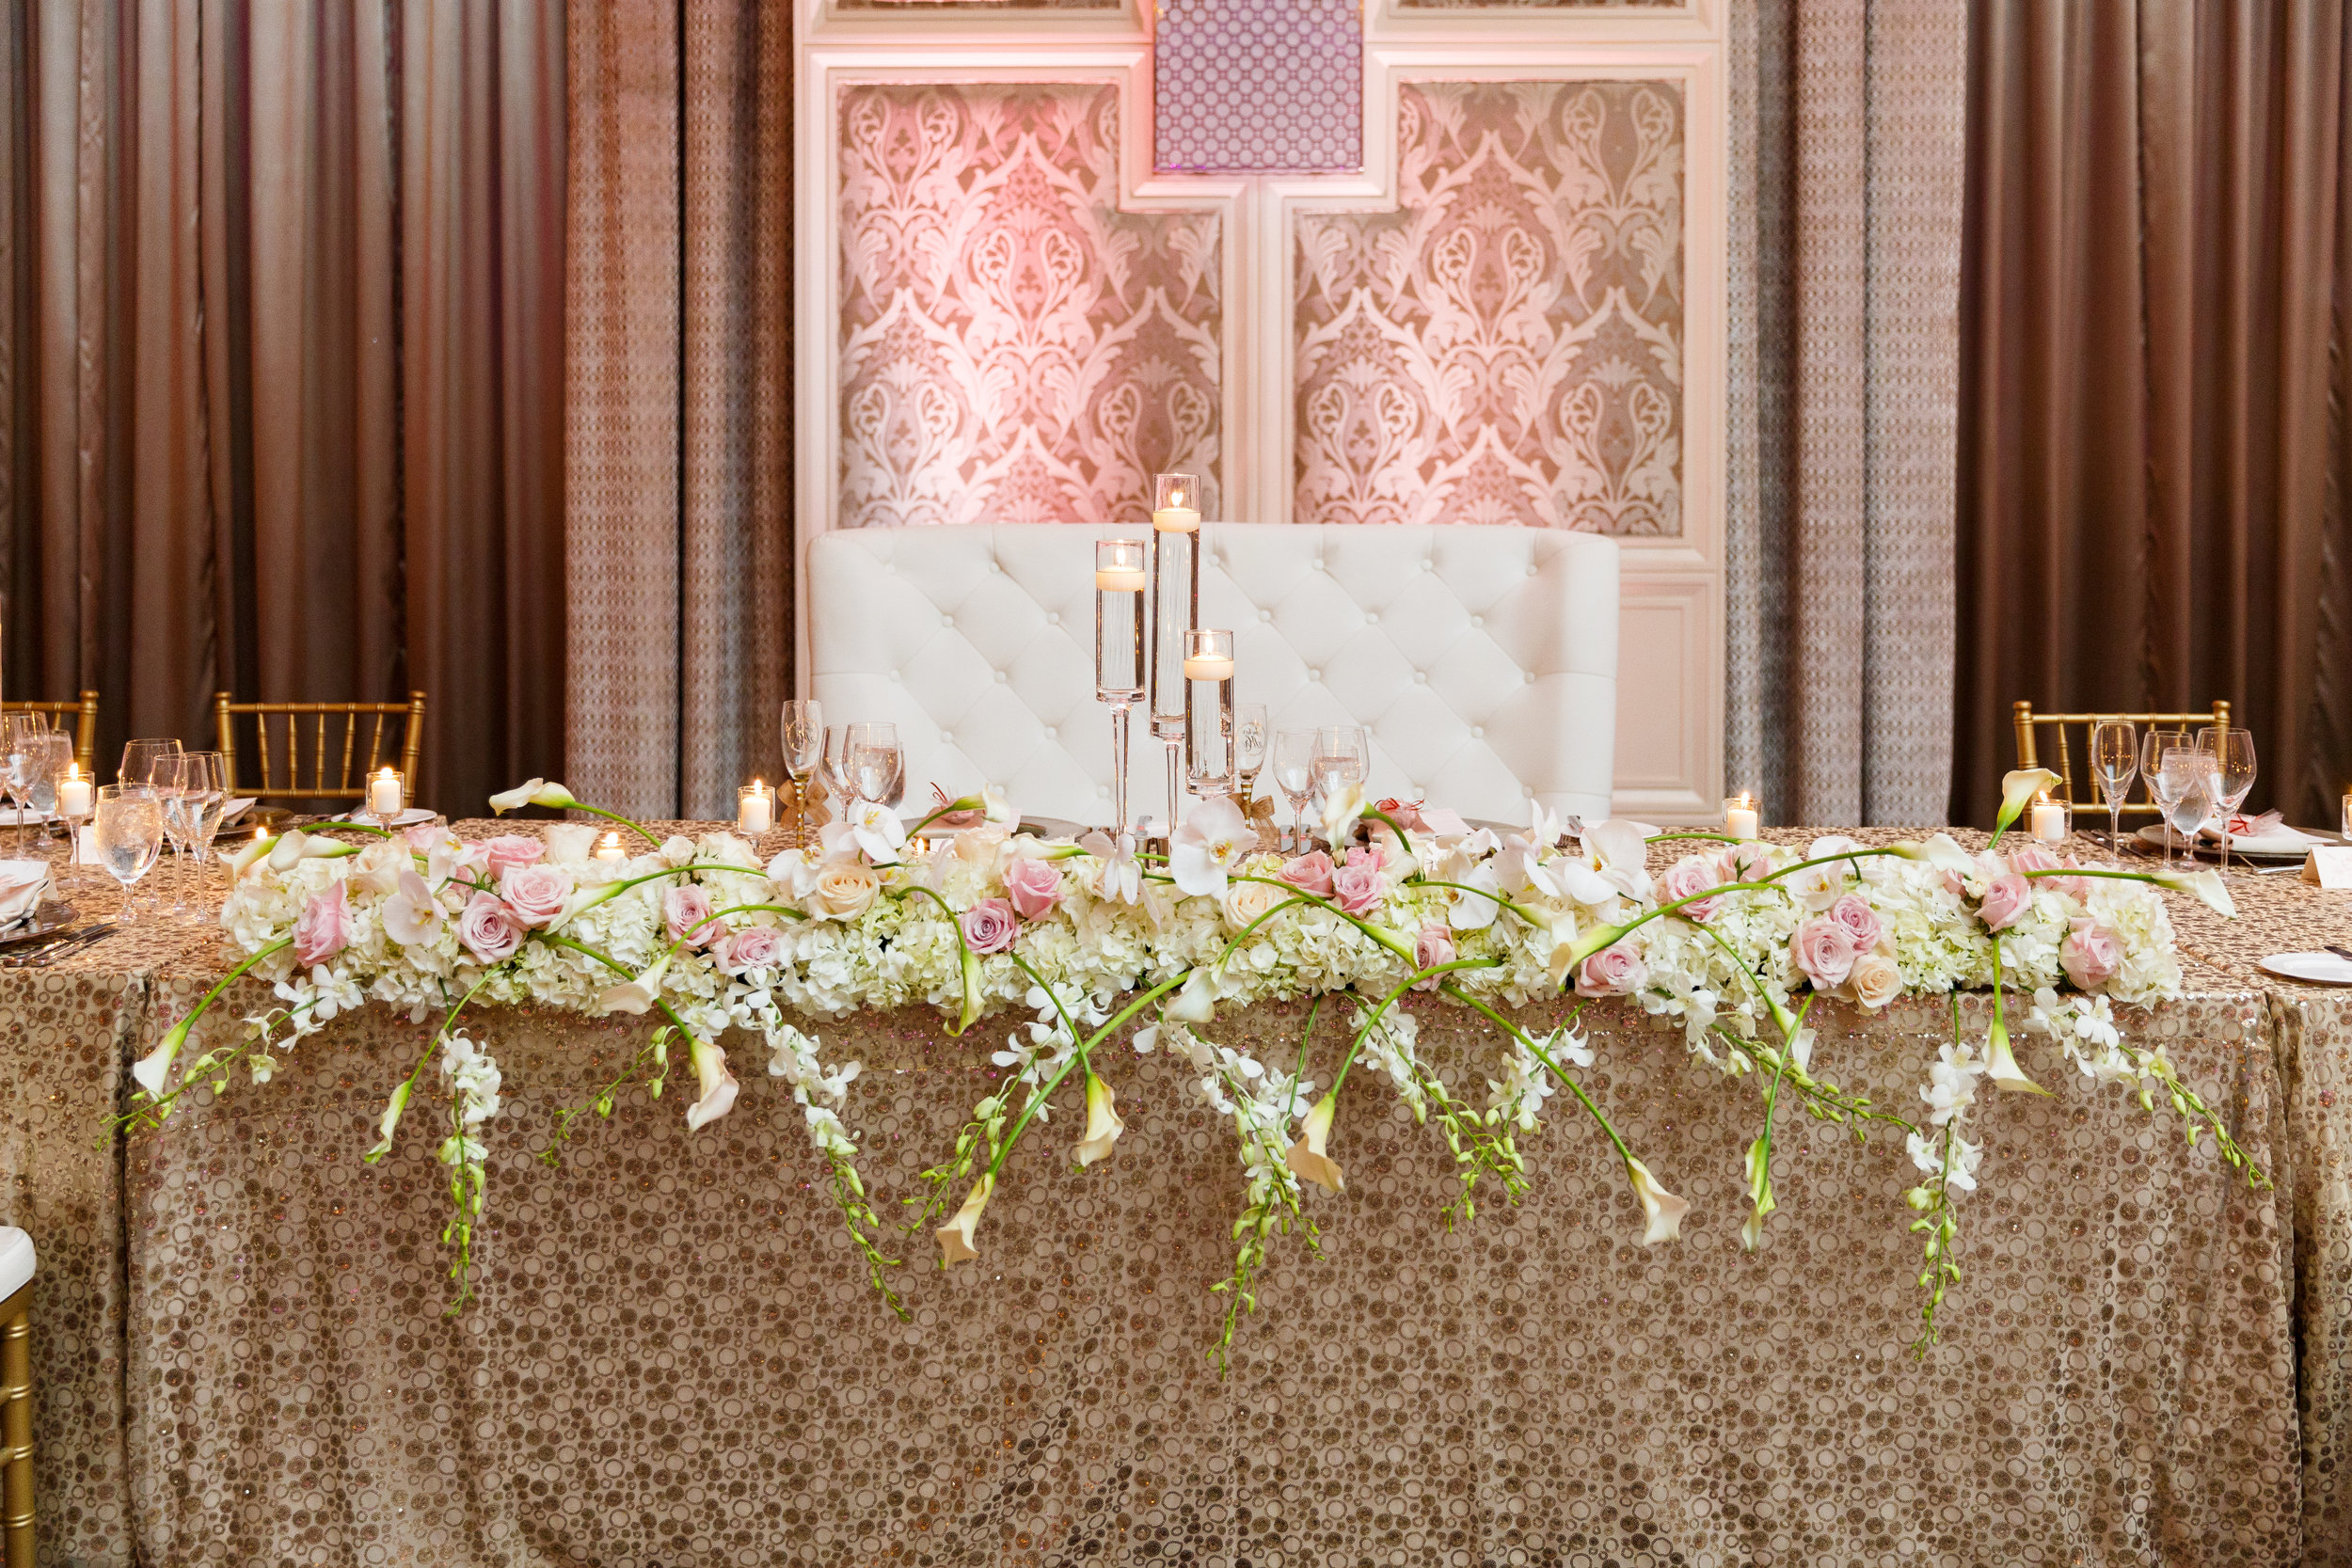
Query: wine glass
[[873, 761], [204, 789], [2187, 780], [803, 748], [833, 768], [1295, 772], [1341, 755], [2231, 752], [26, 748], [164, 776], [2154, 743], [129, 834], [1250, 745], [138, 759], [2115, 762], [56, 754]]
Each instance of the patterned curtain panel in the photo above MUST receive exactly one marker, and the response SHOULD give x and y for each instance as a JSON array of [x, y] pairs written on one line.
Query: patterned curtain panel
[[1848, 141], [679, 404]]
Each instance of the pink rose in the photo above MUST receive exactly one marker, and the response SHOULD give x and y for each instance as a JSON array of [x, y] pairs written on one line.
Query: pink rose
[[1696, 874], [1854, 914], [1357, 886], [324, 927], [490, 929], [535, 893], [2006, 897], [1614, 970], [424, 837], [509, 850], [752, 947], [990, 926], [2032, 857], [1825, 951], [2090, 953], [1035, 886], [1309, 873], [686, 911], [1434, 946]]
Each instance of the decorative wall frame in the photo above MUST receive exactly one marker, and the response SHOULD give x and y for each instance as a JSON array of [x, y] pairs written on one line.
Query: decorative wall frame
[[1669, 741]]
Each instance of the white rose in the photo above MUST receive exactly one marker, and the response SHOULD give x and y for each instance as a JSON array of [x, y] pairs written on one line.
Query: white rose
[[1875, 979], [1248, 901], [845, 890]]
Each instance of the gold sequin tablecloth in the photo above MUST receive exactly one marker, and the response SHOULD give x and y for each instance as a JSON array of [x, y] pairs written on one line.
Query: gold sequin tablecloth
[[676, 1358]]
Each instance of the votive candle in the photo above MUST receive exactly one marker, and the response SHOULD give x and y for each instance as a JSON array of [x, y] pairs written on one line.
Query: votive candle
[[75, 792], [1208, 711], [2049, 820], [608, 849], [384, 793], [755, 808], [1741, 818]]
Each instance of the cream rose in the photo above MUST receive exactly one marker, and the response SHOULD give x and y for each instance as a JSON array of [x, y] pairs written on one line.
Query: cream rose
[[844, 890], [1875, 980], [1248, 901]]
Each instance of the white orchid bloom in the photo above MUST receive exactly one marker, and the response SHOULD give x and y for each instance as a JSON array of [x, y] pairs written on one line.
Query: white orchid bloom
[[955, 1238], [715, 1082], [1618, 850], [2001, 1064], [2206, 885], [532, 792], [412, 917], [1663, 1208], [1103, 1124], [1121, 875], [1307, 1159], [2017, 790], [1212, 841], [876, 829], [635, 996], [1470, 912], [1520, 864]]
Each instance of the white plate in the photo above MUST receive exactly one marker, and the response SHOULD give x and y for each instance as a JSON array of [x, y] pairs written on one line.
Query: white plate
[[235, 809], [408, 818], [2288, 844], [2317, 969], [26, 818]]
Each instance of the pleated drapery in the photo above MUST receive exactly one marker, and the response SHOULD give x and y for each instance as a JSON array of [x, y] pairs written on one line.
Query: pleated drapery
[[678, 448], [1846, 156], [284, 367], [2154, 454]]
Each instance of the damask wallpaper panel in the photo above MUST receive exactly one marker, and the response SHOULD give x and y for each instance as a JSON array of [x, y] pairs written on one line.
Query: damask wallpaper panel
[[1015, 348], [1506, 346]]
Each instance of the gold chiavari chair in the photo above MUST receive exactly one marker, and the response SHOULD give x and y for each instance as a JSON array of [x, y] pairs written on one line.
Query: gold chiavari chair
[[315, 750], [16, 1397], [2030, 754], [84, 715]]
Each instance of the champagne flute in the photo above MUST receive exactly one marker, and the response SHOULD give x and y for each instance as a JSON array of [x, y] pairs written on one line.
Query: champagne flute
[[1342, 756], [2115, 762], [2231, 752], [1250, 748], [803, 748], [1295, 772], [2152, 745], [129, 834], [832, 769]]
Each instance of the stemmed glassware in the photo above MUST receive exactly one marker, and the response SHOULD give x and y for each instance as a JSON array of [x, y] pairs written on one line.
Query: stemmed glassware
[[171, 799], [2154, 743], [2184, 791], [1343, 755], [55, 755], [875, 766], [2232, 765], [1175, 611], [2115, 762], [1120, 579], [803, 748], [138, 759], [204, 798], [1294, 774], [1250, 748], [26, 743], [832, 769], [129, 834]]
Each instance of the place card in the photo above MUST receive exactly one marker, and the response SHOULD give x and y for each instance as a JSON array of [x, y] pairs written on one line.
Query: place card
[[2330, 866]]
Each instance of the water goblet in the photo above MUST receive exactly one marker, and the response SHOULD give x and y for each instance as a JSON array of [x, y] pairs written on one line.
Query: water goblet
[[26, 746], [129, 834], [2184, 791], [1250, 748], [138, 759]]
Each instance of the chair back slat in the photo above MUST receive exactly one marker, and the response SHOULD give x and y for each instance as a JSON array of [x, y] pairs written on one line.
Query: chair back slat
[[2026, 723], [324, 765]]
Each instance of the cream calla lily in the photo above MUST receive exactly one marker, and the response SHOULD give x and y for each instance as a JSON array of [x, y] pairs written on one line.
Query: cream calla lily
[[1579, 946], [2206, 885], [635, 996], [390, 1122], [245, 859], [1662, 1207], [1306, 1158], [717, 1085], [2017, 790], [1342, 808], [1196, 1002], [1103, 1124], [532, 792], [1759, 1193], [285, 851], [151, 1070], [955, 1237], [1940, 851], [2001, 1063]]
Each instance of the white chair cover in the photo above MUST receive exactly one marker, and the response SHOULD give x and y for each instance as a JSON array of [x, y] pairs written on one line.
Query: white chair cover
[[16, 1260], [1482, 660]]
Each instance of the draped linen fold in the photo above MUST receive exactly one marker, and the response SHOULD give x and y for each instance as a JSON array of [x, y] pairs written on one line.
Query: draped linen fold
[[1846, 138], [2154, 459], [281, 347]]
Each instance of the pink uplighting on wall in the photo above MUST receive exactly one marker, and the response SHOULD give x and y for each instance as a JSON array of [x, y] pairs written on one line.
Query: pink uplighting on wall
[[1250, 86]]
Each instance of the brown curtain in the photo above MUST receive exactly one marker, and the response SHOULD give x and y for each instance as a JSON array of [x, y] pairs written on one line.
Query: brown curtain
[[2154, 310], [680, 445], [284, 365]]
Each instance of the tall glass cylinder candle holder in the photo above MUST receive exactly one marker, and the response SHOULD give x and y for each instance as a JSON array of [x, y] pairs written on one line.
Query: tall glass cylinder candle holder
[[1120, 581], [1208, 711], [1175, 607]]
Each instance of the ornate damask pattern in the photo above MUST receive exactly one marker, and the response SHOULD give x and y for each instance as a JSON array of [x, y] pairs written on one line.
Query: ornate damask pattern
[[1015, 348], [1259, 85], [1506, 346]]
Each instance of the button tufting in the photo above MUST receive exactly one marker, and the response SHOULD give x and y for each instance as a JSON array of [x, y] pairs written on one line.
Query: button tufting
[[1000, 677], [1420, 678], [947, 620], [1478, 732], [1054, 618], [1478, 620], [1314, 674], [1049, 732], [1318, 564], [1371, 617], [946, 738], [894, 674], [1265, 616]]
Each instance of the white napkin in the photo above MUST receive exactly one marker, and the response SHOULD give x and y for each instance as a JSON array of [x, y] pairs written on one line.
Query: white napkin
[[23, 885], [2265, 834]]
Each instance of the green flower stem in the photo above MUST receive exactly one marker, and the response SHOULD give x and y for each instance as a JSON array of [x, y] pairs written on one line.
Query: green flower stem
[[617, 967], [1385, 938], [1772, 1090], [968, 961], [1299, 1071], [1544, 1056], [1524, 913], [1373, 1020], [2147, 876], [1635, 925], [1715, 838], [643, 832], [1069, 1025], [203, 1007], [1045, 1090], [1402, 836]]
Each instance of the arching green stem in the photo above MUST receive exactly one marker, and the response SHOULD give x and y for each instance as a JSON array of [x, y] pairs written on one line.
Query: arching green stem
[[1372, 1020], [1544, 1056]]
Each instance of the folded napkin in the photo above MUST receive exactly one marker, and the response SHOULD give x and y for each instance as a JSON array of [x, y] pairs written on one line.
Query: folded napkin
[[23, 885], [2263, 834]]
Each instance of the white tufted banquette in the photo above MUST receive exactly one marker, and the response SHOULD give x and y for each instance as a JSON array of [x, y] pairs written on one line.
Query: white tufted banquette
[[1483, 660]]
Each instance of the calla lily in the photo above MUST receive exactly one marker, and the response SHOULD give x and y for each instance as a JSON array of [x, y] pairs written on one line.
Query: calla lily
[[1102, 1123], [582, 900], [995, 808], [1940, 851], [1196, 1002], [717, 1084], [533, 792], [2018, 790], [2001, 1063], [1760, 1190], [955, 1237], [968, 971], [1210, 842], [2206, 885], [1581, 946], [152, 1069], [390, 1122], [1663, 1208], [1306, 1158], [1342, 808], [285, 853], [243, 860], [635, 996]]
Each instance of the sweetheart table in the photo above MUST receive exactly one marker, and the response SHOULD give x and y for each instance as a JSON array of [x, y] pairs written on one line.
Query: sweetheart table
[[676, 1357]]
